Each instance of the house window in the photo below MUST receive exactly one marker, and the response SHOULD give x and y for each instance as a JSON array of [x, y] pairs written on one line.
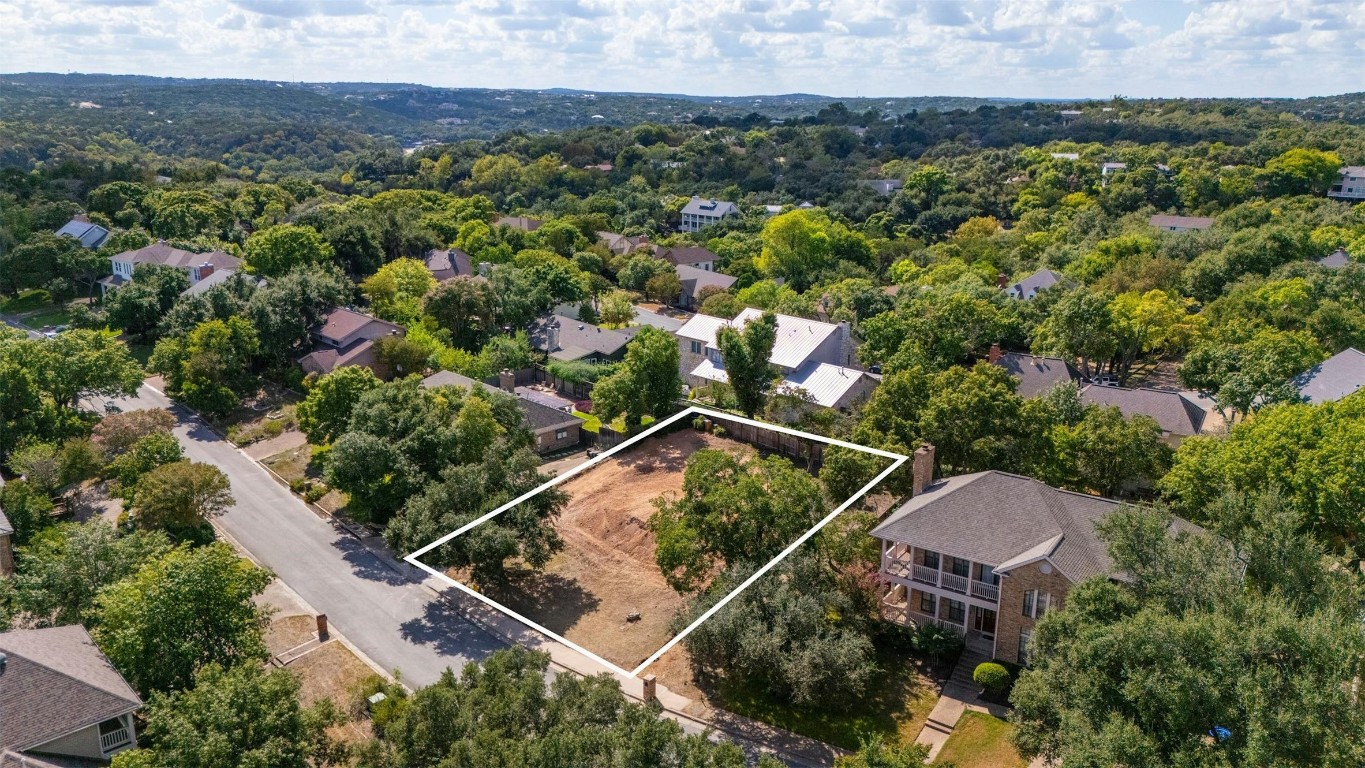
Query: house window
[[960, 567], [1036, 603], [560, 434], [928, 604], [930, 559], [986, 574], [957, 612], [1025, 639], [696, 347]]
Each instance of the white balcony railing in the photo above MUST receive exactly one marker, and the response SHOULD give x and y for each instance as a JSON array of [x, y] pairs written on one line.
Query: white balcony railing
[[985, 591], [898, 567], [955, 583], [925, 574], [114, 739]]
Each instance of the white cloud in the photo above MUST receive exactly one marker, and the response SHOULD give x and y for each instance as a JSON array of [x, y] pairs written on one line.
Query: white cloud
[[1048, 48]]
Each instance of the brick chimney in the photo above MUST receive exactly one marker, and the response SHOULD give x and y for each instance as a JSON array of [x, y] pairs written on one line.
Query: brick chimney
[[205, 270], [507, 380], [922, 469], [1002, 281], [994, 355]]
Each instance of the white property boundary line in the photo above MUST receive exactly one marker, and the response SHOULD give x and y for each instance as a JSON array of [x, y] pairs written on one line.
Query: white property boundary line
[[898, 459]]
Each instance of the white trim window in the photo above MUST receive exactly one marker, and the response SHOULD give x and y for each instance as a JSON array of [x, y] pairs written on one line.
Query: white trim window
[[1036, 603]]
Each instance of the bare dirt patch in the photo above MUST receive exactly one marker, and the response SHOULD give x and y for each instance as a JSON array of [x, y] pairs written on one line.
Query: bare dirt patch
[[288, 632], [607, 571]]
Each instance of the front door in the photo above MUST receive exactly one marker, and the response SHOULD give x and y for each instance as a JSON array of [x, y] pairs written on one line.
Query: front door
[[983, 621]]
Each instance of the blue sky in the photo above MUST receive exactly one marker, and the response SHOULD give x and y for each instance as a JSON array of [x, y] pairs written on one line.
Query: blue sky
[[1038, 48]]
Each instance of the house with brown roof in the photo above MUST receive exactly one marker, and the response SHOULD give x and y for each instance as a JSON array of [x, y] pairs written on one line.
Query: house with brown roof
[[347, 337], [61, 702], [443, 264], [988, 554], [523, 223], [196, 266], [1178, 416], [623, 245], [693, 256]]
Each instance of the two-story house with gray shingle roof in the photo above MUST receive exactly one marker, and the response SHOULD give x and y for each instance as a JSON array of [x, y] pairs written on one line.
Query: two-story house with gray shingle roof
[[196, 266], [703, 212], [1336, 377], [1035, 374], [90, 235], [1350, 185], [61, 702], [988, 554], [446, 263]]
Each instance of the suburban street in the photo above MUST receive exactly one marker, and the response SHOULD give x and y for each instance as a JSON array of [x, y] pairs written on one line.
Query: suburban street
[[394, 621]]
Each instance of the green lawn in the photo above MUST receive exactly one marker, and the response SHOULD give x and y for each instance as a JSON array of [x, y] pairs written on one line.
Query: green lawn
[[49, 316], [980, 741], [590, 422], [896, 710], [26, 301]]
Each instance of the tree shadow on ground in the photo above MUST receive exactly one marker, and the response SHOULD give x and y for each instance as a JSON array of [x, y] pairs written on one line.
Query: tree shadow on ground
[[451, 634], [552, 601], [364, 563]]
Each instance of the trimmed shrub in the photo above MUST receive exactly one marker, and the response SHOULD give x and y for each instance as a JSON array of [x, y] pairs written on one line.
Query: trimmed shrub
[[992, 677]]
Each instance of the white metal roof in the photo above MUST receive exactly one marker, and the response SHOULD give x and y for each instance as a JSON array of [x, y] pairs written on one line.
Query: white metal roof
[[826, 384], [701, 328], [797, 337]]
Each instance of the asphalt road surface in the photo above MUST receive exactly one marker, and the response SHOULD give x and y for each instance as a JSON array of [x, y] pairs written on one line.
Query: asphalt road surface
[[394, 621]]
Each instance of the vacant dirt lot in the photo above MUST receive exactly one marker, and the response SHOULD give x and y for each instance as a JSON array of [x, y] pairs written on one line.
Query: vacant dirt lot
[[607, 570]]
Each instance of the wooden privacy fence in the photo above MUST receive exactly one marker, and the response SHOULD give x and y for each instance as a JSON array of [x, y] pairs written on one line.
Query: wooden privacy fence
[[803, 449]]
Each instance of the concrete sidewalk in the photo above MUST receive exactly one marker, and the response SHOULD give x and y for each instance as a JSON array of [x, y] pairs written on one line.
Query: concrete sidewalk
[[793, 748]]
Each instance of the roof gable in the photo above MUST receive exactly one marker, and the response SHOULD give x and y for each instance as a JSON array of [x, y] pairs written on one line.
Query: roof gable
[[57, 682], [1172, 411], [999, 519]]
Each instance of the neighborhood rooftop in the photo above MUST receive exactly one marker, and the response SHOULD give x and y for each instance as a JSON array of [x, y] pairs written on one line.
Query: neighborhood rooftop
[[797, 337], [1334, 378], [55, 682], [1036, 374], [1175, 413], [1004, 520]]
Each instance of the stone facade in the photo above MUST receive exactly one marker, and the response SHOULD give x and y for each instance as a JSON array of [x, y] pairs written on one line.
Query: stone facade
[[1010, 620]]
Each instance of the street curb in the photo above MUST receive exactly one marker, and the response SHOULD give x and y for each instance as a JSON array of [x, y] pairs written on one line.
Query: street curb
[[389, 562]]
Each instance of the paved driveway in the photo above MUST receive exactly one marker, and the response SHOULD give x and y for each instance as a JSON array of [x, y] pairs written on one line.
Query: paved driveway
[[394, 621]]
